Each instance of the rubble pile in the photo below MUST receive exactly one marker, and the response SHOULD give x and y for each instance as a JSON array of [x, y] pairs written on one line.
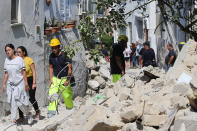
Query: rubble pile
[[145, 99]]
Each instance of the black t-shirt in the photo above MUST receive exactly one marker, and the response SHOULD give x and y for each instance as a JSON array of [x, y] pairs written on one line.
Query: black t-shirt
[[148, 56], [171, 53], [59, 62], [104, 52], [117, 51], [133, 50]]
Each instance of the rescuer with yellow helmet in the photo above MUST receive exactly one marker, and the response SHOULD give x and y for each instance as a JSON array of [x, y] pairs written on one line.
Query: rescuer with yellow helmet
[[60, 71], [180, 45], [117, 62]]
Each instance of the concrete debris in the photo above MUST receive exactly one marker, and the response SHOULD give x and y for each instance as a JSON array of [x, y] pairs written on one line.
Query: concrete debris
[[123, 102], [155, 120], [93, 84], [93, 74], [104, 72], [189, 122]]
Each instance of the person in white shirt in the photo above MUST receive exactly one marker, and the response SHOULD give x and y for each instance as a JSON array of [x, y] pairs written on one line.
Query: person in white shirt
[[126, 53], [16, 81], [138, 48]]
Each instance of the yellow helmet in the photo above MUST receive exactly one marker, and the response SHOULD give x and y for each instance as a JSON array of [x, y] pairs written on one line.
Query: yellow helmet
[[54, 42], [122, 38], [182, 43]]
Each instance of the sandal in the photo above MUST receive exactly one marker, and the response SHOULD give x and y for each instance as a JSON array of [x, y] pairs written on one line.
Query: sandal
[[37, 116]]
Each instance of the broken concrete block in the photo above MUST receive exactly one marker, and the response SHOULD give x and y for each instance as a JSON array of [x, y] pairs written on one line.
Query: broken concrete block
[[189, 61], [93, 74], [180, 113], [131, 113], [124, 93], [104, 73], [93, 84], [190, 123], [154, 120], [182, 101], [183, 89], [127, 81], [194, 82], [101, 81], [104, 126], [90, 63]]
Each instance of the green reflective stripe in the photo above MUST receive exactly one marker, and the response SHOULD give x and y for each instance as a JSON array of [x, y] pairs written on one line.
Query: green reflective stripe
[[116, 77], [66, 93]]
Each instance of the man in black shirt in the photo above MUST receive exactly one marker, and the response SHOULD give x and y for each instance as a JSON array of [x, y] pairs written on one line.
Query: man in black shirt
[[170, 58], [60, 71], [117, 58], [147, 56], [103, 50]]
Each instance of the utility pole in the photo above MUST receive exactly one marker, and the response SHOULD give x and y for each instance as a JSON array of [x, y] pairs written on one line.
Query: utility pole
[[146, 31]]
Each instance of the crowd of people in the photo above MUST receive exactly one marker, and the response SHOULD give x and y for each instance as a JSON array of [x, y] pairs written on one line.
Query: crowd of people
[[135, 56]]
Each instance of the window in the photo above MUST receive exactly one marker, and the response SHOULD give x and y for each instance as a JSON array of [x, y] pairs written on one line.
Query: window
[[101, 9], [15, 11]]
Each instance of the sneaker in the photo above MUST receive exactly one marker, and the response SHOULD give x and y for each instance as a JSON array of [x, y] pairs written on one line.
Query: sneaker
[[29, 119]]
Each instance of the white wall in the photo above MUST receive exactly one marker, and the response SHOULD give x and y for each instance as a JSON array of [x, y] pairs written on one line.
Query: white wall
[[32, 14]]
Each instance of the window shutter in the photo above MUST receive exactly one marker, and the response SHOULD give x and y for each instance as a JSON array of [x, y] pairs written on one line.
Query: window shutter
[[67, 10], [62, 10]]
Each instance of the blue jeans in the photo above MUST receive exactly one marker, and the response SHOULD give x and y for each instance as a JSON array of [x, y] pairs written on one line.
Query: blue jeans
[[134, 60], [168, 67]]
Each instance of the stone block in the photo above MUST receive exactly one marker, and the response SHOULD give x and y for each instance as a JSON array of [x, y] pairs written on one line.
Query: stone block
[[93, 74], [104, 72], [187, 123], [154, 120], [93, 84]]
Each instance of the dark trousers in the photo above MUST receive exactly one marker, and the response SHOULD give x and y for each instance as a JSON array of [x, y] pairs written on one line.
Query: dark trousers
[[32, 99]]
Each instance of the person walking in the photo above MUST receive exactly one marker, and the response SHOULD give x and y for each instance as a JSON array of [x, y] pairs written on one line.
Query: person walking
[[147, 56], [16, 79], [117, 62], [104, 52], [31, 79], [60, 71], [126, 53], [171, 57], [138, 48], [180, 45], [133, 54]]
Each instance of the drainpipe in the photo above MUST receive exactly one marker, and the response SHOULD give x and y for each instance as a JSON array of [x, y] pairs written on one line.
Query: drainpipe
[[146, 31]]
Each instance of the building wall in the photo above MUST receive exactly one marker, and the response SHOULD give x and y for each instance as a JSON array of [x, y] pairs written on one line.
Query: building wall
[[63, 10], [32, 13]]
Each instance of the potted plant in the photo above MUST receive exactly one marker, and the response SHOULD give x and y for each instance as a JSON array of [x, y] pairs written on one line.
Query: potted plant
[[47, 29], [56, 25], [70, 24]]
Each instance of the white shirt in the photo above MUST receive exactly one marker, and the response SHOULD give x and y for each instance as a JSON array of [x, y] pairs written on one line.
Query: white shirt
[[138, 50], [127, 52], [14, 69]]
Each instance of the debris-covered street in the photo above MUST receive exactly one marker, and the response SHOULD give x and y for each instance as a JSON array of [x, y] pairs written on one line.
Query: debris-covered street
[[98, 65]]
